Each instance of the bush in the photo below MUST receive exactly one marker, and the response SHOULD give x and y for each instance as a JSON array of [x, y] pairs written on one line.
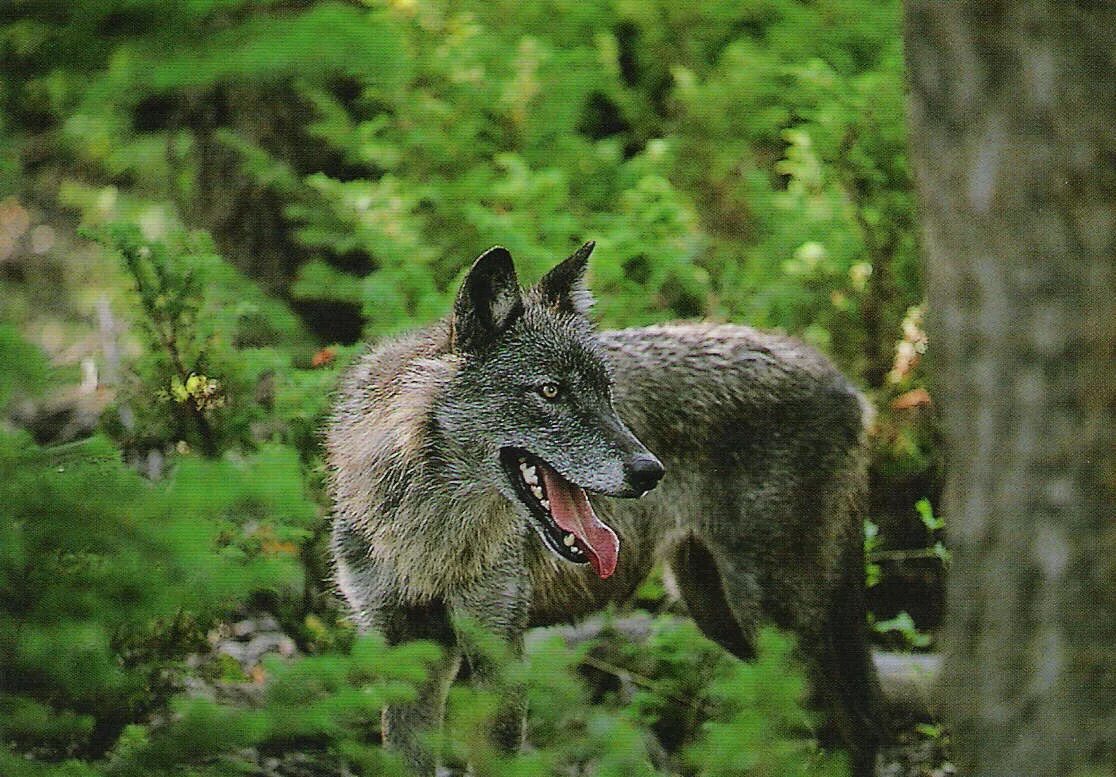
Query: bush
[[108, 581]]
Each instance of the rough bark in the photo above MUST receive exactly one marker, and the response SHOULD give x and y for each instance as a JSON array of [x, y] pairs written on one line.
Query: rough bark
[[1013, 119]]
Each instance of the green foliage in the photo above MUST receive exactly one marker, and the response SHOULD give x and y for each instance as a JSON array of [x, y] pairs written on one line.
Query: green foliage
[[934, 524], [930, 730], [733, 160], [174, 395], [736, 160], [218, 366], [108, 581], [730, 708], [758, 715], [324, 702], [903, 626], [99, 610], [926, 513], [261, 47], [872, 569], [26, 369]]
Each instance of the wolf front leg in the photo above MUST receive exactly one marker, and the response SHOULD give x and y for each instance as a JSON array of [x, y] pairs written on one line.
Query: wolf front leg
[[370, 586], [490, 618], [409, 728]]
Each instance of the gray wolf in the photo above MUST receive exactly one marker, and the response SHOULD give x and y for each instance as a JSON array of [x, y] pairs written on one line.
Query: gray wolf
[[484, 469]]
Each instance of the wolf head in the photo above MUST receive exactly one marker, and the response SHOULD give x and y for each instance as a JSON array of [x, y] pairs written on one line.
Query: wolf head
[[532, 405]]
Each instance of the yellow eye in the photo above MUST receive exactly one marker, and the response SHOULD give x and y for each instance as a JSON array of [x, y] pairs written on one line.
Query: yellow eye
[[549, 391]]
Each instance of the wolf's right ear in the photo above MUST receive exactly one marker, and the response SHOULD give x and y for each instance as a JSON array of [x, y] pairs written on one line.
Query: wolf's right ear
[[488, 302], [564, 287]]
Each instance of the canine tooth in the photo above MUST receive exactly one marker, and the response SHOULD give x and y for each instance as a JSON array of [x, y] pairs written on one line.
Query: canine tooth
[[545, 503], [528, 471], [569, 540]]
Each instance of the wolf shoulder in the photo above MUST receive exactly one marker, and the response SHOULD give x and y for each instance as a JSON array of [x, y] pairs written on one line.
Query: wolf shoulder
[[386, 368], [688, 381]]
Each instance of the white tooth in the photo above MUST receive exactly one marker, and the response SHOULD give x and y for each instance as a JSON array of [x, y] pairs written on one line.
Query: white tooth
[[545, 503], [569, 540], [537, 492]]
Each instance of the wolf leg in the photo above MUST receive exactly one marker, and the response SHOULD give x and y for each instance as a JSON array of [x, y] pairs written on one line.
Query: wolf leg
[[486, 667], [490, 619], [724, 601], [842, 671], [708, 599], [407, 728]]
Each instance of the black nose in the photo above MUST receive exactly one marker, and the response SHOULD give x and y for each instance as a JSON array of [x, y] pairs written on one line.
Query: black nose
[[644, 473]]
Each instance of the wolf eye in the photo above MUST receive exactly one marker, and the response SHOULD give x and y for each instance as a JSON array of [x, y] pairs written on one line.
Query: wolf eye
[[549, 391]]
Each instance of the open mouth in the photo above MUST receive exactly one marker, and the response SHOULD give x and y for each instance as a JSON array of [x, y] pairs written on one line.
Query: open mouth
[[563, 516]]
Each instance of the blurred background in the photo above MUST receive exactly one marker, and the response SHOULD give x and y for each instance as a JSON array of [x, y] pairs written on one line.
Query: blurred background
[[206, 206]]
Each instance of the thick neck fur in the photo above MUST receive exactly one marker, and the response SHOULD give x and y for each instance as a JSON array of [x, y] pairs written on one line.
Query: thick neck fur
[[401, 484]]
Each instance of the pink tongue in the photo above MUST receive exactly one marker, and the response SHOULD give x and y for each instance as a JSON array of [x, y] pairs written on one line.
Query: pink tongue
[[572, 512]]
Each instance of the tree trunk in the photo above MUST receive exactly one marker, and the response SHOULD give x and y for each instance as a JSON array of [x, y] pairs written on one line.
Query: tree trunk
[[1013, 118]]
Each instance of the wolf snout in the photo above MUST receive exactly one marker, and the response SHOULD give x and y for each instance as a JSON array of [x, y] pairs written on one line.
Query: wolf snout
[[644, 473]]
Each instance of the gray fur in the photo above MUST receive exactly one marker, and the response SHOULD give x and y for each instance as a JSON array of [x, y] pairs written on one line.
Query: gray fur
[[759, 515]]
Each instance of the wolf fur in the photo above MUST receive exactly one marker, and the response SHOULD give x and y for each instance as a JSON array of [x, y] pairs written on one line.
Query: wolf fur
[[759, 515]]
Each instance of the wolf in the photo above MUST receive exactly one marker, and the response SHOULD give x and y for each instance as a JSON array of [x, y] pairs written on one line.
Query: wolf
[[486, 469]]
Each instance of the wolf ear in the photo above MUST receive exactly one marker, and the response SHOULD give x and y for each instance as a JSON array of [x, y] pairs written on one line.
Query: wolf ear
[[488, 302], [564, 286]]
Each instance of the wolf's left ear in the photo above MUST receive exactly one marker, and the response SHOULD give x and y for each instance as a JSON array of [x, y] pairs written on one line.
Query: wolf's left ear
[[564, 286], [488, 302]]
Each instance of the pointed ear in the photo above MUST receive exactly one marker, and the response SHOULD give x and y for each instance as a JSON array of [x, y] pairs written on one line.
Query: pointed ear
[[488, 302], [564, 286]]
